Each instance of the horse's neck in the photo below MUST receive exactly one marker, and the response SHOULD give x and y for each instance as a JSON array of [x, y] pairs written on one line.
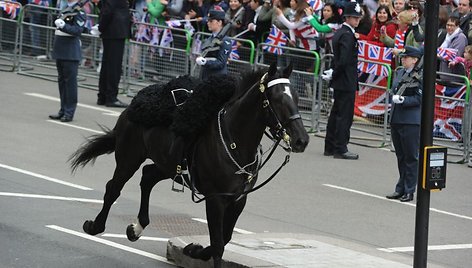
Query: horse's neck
[[245, 119]]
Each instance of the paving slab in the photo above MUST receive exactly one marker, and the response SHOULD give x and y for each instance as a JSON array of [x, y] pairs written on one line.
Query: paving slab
[[288, 250]]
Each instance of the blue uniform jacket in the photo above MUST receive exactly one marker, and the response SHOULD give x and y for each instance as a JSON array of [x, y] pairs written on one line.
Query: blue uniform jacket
[[67, 47], [216, 59], [408, 112]]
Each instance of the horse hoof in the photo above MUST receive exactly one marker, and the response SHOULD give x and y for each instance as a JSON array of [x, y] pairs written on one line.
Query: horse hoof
[[89, 228], [130, 233], [192, 250]]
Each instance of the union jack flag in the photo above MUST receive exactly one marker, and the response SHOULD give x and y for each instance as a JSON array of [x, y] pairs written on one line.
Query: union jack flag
[[306, 35], [315, 4], [11, 8], [447, 54], [166, 40], [448, 113], [380, 55], [276, 39], [44, 3], [370, 101], [234, 55]]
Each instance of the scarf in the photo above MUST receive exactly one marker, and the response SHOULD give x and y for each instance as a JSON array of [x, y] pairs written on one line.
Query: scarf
[[449, 37], [399, 39]]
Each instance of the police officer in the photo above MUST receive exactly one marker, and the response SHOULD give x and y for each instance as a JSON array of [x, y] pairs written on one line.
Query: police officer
[[67, 53], [405, 118], [216, 48], [345, 84]]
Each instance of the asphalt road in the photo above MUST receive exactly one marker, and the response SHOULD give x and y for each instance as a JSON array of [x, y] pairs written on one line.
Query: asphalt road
[[43, 205]]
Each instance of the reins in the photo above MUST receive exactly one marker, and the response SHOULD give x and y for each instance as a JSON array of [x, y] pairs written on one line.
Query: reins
[[280, 134]]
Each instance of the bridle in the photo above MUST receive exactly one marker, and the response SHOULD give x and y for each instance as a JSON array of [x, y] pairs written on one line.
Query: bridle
[[278, 131]]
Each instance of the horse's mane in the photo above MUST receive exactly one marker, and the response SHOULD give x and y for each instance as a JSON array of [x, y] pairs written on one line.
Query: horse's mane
[[245, 82]]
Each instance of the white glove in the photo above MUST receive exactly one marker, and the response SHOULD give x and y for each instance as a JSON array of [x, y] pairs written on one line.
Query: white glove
[[251, 27], [398, 99], [201, 61], [94, 31], [327, 75], [60, 23]]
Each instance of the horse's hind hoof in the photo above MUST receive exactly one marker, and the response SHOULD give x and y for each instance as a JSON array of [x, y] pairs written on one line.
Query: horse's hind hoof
[[130, 233], [89, 228]]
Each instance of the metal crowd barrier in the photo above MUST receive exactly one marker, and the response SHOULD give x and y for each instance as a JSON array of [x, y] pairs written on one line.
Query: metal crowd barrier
[[369, 130], [453, 113], [9, 32]]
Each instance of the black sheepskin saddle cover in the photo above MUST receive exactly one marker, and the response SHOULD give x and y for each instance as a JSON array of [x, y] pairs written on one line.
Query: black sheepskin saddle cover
[[155, 105]]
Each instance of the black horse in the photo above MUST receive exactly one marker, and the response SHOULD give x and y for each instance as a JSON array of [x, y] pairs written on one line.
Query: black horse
[[219, 162]]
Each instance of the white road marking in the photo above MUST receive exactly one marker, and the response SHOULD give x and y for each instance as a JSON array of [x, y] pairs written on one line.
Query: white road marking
[[396, 201], [111, 244], [75, 126], [437, 247], [241, 231], [46, 97], [45, 177], [53, 197], [150, 238]]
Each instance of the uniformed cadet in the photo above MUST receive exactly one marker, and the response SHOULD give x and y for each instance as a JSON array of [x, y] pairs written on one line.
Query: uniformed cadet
[[216, 48], [405, 119], [67, 53]]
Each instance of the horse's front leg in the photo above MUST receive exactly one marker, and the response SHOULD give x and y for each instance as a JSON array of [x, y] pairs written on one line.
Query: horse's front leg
[[232, 213], [215, 208], [150, 177]]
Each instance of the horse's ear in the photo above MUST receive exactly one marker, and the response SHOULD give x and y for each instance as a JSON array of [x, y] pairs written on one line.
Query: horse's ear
[[288, 70], [272, 69]]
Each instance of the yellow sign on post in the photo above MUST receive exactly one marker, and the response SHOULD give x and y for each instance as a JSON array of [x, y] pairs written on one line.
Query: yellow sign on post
[[434, 168]]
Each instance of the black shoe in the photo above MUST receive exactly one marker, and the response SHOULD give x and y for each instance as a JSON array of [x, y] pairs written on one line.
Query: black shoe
[[328, 153], [347, 155], [100, 102], [117, 103], [407, 198], [395, 195], [56, 116], [66, 119]]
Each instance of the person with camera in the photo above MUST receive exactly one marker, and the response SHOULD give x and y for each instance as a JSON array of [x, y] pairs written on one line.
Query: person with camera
[[216, 48], [405, 119], [67, 53]]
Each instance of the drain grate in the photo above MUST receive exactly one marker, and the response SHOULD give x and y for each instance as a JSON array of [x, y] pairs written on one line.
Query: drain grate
[[175, 224]]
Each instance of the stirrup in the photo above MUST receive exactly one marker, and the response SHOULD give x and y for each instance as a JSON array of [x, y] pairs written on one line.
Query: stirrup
[[182, 173]]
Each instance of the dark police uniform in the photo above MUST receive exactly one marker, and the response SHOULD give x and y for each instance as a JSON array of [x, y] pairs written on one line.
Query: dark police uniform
[[67, 53], [345, 84], [405, 120], [215, 50], [115, 27]]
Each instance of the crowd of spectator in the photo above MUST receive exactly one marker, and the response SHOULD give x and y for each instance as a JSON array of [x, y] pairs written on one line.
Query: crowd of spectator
[[386, 23]]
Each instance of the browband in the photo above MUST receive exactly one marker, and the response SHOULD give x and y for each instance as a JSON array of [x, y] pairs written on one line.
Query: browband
[[278, 81]]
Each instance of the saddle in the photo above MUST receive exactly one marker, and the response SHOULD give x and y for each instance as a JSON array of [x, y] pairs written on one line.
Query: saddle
[[173, 106]]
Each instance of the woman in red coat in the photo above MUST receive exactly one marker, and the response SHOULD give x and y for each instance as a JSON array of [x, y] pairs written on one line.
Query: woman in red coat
[[383, 22]]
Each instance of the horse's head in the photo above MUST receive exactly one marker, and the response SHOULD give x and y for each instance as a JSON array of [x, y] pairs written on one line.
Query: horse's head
[[280, 102]]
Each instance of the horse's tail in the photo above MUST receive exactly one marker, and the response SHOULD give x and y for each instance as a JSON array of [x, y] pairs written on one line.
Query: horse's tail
[[95, 146]]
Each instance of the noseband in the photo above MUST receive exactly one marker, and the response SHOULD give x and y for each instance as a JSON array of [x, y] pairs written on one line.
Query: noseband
[[279, 128]]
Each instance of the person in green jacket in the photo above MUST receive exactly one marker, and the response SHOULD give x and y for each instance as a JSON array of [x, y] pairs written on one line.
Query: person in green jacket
[[328, 24], [156, 8]]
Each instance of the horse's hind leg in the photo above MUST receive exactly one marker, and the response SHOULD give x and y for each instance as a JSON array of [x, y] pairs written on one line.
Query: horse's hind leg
[[123, 172], [151, 176]]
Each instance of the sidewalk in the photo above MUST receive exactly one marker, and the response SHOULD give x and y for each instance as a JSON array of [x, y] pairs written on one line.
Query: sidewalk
[[289, 250]]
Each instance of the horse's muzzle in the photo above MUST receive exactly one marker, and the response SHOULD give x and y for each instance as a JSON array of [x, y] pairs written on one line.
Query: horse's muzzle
[[298, 145]]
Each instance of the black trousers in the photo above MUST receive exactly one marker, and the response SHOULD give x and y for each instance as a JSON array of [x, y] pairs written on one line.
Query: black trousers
[[67, 72], [110, 73], [339, 122], [406, 140]]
